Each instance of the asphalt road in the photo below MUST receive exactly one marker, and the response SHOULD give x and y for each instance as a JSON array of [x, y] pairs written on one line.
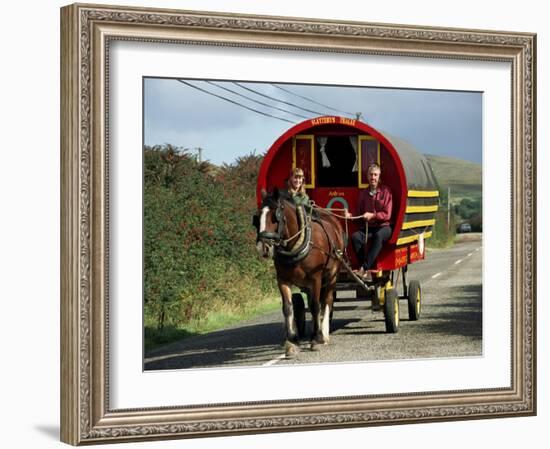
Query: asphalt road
[[450, 324]]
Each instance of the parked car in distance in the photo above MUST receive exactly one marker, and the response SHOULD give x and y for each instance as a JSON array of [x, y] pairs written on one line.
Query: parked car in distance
[[464, 227]]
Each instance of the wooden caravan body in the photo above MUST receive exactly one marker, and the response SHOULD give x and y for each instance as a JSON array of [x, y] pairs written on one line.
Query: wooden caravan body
[[335, 153]]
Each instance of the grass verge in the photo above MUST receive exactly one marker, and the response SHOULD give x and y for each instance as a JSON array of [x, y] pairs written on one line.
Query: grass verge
[[216, 320]]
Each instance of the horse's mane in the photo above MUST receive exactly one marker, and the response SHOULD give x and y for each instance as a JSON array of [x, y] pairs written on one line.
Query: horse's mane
[[269, 201], [272, 199]]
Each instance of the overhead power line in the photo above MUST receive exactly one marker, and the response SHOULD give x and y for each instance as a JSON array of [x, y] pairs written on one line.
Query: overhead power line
[[233, 102], [280, 101], [254, 100], [312, 101]]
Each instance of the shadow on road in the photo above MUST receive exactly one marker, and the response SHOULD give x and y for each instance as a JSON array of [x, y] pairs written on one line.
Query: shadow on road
[[229, 347], [216, 348], [459, 316]]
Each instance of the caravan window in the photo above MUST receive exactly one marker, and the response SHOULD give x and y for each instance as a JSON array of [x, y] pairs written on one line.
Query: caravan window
[[336, 161]]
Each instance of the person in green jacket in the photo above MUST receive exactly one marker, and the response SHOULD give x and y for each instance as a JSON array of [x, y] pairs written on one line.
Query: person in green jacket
[[295, 187]]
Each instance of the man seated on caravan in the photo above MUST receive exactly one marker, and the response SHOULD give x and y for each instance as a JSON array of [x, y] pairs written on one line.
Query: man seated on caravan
[[375, 207]]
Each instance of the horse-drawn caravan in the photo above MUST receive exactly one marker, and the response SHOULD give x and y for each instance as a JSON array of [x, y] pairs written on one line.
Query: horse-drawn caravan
[[335, 154]]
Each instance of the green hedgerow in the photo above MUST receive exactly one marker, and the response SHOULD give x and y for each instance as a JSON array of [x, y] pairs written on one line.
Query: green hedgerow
[[199, 245]]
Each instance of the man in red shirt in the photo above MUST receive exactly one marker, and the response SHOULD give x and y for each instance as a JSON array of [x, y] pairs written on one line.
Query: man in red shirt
[[375, 206]]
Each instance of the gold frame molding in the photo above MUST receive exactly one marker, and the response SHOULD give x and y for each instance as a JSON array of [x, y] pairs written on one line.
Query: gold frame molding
[[87, 31]]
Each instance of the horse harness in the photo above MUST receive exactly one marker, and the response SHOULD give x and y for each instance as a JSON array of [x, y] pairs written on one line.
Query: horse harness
[[303, 245]]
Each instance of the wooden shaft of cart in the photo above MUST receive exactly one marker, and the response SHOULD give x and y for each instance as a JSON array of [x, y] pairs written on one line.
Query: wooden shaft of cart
[[350, 271]]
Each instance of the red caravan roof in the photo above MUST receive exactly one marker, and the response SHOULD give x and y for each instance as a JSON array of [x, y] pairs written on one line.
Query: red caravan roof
[[309, 126]]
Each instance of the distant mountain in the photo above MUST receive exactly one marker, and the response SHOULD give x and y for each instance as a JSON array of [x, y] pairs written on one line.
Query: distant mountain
[[464, 177]]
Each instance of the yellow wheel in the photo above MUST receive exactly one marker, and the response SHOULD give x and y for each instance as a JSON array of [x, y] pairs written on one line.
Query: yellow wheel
[[391, 311], [415, 300]]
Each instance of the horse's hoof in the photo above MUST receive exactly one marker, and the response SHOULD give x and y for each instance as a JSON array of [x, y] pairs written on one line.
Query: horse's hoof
[[314, 346], [290, 350]]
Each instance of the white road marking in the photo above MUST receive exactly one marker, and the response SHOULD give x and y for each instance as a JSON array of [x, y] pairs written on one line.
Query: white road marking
[[436, 275], [275, 360]]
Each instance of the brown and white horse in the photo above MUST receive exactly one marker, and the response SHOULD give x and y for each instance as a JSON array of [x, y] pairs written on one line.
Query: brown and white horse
[[307, 254]]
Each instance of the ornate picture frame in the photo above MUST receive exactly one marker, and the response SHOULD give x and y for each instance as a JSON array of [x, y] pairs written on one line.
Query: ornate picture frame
[[87, 33]]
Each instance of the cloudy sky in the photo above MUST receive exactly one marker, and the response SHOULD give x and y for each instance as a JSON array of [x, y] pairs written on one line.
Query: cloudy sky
[[230, 119]]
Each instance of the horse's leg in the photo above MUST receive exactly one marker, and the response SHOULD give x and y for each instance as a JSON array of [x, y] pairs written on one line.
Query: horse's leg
[[317, 337], [327, 304], [291, 336]]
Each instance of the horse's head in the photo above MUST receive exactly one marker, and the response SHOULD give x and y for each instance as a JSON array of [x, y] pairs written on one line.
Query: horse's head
[[270, 223]]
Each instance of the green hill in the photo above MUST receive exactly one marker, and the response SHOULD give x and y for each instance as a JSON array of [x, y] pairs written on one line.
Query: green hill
[[463, 177]]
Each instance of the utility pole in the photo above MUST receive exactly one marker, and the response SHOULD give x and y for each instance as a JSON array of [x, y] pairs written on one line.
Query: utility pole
[[448, 208], [199, 154]]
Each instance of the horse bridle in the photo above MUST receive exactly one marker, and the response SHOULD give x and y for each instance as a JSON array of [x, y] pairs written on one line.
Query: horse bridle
[[270, 237], [302, 239]]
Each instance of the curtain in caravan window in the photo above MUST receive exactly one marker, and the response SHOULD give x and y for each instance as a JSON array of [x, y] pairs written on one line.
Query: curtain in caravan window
[[322, 144], [353, 140]]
